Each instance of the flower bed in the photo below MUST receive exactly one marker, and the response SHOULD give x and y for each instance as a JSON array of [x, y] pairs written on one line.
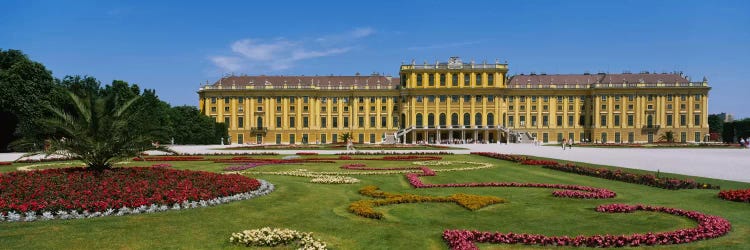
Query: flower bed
[[735, 195], [709, 226], [617, 175], [170, 158], [365, 208], [75, 192], [571, 191], [643, 179], [394, 153], [272, 237], [5, 163]]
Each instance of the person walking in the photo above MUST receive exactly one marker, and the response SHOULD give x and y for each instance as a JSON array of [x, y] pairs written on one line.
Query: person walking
[[563, 143], [570, 143], [742, 142]]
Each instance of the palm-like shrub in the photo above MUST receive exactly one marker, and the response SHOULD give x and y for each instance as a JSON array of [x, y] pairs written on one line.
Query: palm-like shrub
[[97, 130], [667, 136]]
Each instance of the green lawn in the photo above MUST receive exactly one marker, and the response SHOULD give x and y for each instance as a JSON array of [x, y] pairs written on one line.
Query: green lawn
[[322, 209]]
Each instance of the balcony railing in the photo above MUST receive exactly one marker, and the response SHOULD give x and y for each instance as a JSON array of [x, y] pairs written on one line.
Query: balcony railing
[[258, 130]]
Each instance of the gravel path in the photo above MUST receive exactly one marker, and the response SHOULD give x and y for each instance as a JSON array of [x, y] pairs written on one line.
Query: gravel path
[[727, 164]]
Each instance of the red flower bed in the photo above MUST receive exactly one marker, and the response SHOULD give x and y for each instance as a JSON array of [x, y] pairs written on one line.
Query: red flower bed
[[735, 195], [571, 191], [538, 162], [5, 163], [709, 226], [513, 158], [170, 158], [617, 175], [80, 189]]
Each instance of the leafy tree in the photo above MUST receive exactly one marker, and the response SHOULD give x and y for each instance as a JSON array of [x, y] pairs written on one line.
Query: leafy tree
[[345, 137], [98, 131], [25, 92], [189, 126], [667, 136], [715, 124]]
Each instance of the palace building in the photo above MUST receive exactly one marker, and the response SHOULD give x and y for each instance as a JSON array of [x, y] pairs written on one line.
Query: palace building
[[458, 102]]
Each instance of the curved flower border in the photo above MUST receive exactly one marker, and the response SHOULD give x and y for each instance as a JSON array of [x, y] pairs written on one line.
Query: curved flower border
[[709, 226], [264, 189]]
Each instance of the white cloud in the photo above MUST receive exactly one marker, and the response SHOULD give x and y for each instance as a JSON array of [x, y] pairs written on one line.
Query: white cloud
[[280, 53]]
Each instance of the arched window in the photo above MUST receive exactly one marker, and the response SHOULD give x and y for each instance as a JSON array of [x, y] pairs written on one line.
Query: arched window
[[490, 119], [431, 120], [467, 119], [419, 120], [442, 120], [260, 122], [478, 119], [454, 119]]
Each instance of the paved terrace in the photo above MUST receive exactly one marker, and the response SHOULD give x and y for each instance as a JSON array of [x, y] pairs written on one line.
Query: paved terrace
[[727, 164]]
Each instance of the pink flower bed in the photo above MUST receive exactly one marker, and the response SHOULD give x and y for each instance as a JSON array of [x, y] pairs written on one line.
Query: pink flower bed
[[79, 189], [539, 162], [735, 195], [170, 158], [5, 163], [709, 226]]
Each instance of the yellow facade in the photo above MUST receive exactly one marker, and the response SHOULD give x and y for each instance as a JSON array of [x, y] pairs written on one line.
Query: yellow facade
[[458, 102]]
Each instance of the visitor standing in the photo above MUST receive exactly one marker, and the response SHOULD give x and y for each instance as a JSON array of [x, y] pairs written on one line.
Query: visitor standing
[[563, 143], [570, 143], [742, 142]]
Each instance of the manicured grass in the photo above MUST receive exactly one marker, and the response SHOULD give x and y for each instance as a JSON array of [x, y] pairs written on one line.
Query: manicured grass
[[322, 209]]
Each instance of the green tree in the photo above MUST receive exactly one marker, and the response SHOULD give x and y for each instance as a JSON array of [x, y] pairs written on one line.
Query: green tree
[[189, 126], [345, 137], [667, 136], [98, 131], [25, 92], [715, 124]]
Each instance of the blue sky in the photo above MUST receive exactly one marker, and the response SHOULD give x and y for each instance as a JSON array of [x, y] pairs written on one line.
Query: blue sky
[[173, 47]]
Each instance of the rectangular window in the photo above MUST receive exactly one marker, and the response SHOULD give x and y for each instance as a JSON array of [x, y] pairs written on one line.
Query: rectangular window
[[383, 122], [372, 138], [291, 121], [278, 121], [361, 138], [305, 99], [226, 120], [335, 121], [490, 98], [510, 121], [669, 98], [683, 120], [604, 137], [467, 80], [559, 137], [571, 137], [631, 137], [683, 137], [603, 121], [431, 98], [305, 122], [395, 121], [533, 121], [650, 98], [669, 120], [570, 121], [335, 138], [697, 120], [372, 121], [490, 79], [346, 122], [604, 106], [213, 100], [292, 139], [241, 100], [697, 98], [419, 98], [240, 122], [467, 98], [454, 79], [559, 121], [533, 98], [431, 80], [630, 120], [617, 97], [361, 122], [479, 79], [545, 120], [697, 106], [454, 98], [697, 136], [226, 109], [545, 98], [305, 139], [442, 81], [683, 97], [419, 80], [631, 97], [617, 137], [278, 138], [669, 106], [292, 99], [443, 98], [323, 122], [226, 99], [213, 109], [604, 98], [617, 120], [478, 98], [323, 138]]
